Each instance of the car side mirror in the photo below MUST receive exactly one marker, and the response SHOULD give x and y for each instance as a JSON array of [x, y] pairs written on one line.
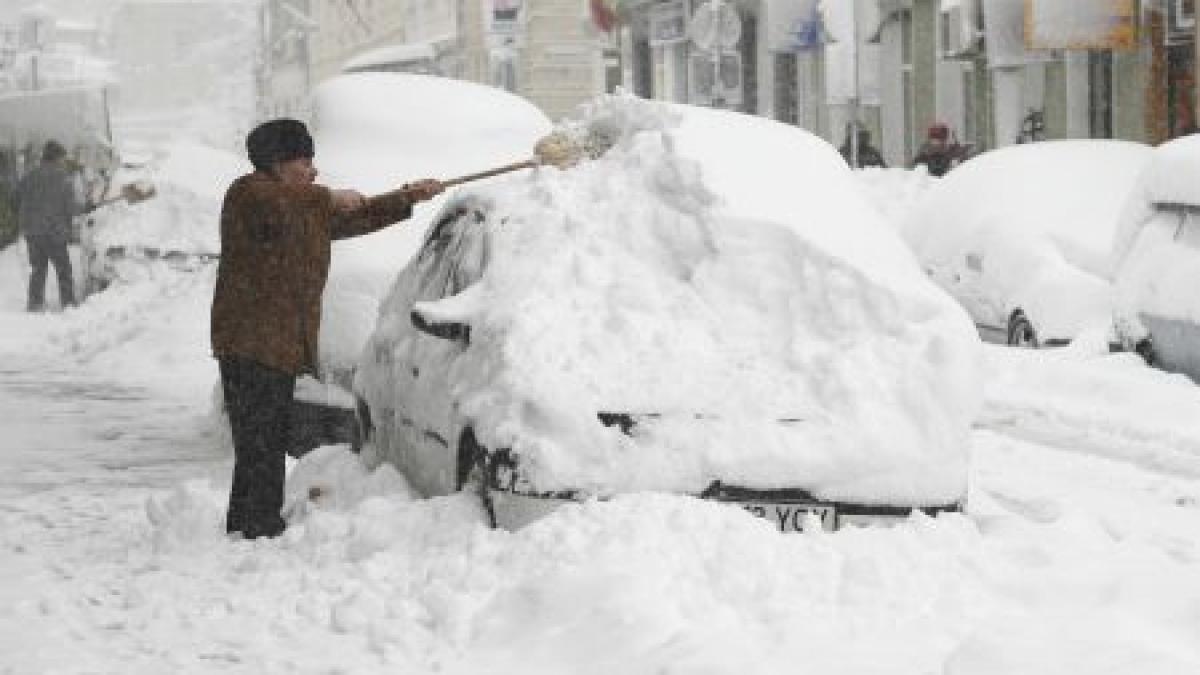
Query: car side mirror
[[446, 330]]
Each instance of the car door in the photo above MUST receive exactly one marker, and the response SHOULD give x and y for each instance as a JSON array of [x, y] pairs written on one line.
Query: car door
[[427, 423]]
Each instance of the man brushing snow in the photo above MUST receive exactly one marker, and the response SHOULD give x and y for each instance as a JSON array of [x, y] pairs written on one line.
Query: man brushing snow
[[276, 229]]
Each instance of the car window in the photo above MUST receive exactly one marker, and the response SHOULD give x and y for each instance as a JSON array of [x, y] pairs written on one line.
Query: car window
[[453, 255]]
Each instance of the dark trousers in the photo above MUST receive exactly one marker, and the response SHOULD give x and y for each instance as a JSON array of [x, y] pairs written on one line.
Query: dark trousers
[[44, 250], [258, 401]]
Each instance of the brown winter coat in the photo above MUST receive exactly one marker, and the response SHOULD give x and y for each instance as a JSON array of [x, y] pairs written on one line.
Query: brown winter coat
[[275, 244]]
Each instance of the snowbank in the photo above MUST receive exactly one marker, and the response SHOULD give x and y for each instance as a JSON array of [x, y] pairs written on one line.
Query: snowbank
[[647, 583], [377, 131], [895, 192], [683, 274], [1130, 412]]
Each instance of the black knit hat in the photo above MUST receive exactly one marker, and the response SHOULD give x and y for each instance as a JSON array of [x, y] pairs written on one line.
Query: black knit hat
[[53, 151], [278, 141]]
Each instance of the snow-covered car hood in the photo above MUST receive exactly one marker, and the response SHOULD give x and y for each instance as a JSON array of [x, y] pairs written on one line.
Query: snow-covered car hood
[[684, 274]]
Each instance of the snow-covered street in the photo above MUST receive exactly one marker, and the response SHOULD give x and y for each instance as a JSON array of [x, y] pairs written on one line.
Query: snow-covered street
[[584, 286], [1080, 550]]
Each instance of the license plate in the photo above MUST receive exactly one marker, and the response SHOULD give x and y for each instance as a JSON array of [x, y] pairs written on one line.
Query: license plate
[[792, 517]]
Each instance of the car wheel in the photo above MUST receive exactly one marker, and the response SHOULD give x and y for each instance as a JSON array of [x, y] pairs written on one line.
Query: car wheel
[[364, 428], [474, 473], [1021, 333], [1145, 349]]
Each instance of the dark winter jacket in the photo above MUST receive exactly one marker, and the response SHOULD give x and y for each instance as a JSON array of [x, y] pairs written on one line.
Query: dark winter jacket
[[939, 161], [46, 202], [868, 156], [275, 246]]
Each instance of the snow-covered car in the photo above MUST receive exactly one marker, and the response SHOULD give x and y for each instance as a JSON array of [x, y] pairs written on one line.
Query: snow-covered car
[[1156, 261], [176, 227], [1021, 236], [709, 308]]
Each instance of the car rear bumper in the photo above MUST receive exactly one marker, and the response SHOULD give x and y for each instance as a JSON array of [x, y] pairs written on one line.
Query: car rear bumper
[[513, 509], [1176, 344]]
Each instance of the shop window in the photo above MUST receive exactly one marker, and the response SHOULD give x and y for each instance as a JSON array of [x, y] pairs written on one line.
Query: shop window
[[911, 139], [643, 67], [787, 91], [1100, 94], [749, 49], [1181, 89]]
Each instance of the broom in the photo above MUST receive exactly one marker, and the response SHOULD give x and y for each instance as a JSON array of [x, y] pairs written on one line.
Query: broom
[[557, 149]]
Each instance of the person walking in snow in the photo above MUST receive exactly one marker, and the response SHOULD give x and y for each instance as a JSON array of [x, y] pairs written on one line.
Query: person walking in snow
[[276, 229], [46, 202], [938, 153], [868, 155]]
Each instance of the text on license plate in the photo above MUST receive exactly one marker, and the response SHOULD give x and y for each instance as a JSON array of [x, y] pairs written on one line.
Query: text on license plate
[[793, 517]]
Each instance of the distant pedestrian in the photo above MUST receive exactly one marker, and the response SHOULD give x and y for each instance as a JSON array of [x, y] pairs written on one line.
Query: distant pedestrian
[[938, 153], [276, 229], [46, 202], [868, 155]]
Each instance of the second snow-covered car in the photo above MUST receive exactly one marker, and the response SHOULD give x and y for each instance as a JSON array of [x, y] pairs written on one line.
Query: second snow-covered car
[[173, 223], [1156, 261], [679, 315], [1021, 236]]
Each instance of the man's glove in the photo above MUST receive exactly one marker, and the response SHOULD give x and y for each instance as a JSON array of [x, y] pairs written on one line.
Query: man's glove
[[424, 190]]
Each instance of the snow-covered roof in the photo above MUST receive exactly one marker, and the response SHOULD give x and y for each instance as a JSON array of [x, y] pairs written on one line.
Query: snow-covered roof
[[71, 115]]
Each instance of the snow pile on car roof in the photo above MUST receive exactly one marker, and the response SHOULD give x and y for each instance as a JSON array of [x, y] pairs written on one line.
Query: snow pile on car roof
[[750, 309], [1066, 198], [377, 131], [190, 180]]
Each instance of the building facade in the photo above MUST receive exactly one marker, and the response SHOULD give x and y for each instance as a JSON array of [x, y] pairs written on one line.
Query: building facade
[[283, 83], [997, 72], [548, 51], [373, 31]]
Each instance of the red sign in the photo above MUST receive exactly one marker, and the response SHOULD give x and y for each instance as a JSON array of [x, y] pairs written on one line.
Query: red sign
[[604, 14]]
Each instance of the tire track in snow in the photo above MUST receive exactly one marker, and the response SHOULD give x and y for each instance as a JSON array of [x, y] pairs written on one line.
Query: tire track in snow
[[1155, 449]]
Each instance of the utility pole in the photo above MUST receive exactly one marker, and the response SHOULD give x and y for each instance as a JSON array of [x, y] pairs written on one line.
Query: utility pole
[[854, 102], [718, 101], [715, 28]]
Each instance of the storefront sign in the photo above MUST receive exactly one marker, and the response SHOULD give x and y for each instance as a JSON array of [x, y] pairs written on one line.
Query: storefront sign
[[794, 25], [1081, 24], [668, 23], [505, 16]]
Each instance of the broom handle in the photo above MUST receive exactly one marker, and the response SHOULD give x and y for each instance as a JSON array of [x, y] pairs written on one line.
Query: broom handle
[[515, 166]]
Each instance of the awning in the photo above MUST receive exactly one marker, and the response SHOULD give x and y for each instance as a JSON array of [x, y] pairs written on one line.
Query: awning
[[395, 54]]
